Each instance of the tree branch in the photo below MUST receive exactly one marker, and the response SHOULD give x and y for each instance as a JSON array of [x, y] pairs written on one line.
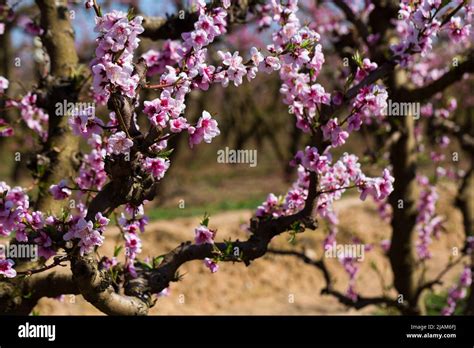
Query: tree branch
[[362, 29], [33, 288], [256, 246], [171, 27], [449, 78], [361, 301]]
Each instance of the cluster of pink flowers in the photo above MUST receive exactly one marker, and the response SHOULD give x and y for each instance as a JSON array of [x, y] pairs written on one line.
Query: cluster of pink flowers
[[458, 292], [420, 22], [370, 101], [132, 221], [271, 207], [161, 109], [457, 30], [292, 202], [206, 129], [88, 233], [300, 61], [351, 268], [34, 117], [14, 204], [166, 110], [364, 69], [157, 61], [428, 224], [83, 122], [204, 235], [113, 69], [334, 180], [333, 132], [92, 171]]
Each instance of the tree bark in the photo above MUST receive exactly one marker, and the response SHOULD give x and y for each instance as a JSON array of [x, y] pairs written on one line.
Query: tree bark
[[402, 200], [61, 147], [465, 202]]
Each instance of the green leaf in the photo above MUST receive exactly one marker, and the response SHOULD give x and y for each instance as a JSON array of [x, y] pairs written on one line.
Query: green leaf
[[165, 154], [145, 265], [357, 59], [306, 43], [349, 81], [157, 260], [292, 239], [131, 13], [205, 220], [117, 250]]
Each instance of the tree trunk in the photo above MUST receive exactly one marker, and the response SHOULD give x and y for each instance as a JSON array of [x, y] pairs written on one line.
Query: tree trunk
[[61, 147], [403, 202], [465, 202]]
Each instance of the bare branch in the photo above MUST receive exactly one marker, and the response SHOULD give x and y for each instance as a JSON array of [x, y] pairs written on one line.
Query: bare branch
[[361, 301]]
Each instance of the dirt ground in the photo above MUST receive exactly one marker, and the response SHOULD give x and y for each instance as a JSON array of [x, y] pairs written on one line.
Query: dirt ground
[[274, 284]]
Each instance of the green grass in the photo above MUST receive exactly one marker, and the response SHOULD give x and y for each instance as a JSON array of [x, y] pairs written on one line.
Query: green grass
[[436, 302], [161, 213]]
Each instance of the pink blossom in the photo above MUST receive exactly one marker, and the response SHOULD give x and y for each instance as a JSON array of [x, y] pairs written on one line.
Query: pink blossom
[[3, 84], [14, 204], [157, 166], [6, 268], [179, 124], [44, 242], [331, 131], [270, 207], [206, 129], [34, 117], [5, 129], [270, 64], [363, 70], [87, 235], [457, 31], [213, 266], [133, 245], [101, 221], [89, 4], [235, 69], [168, 55], [256, 56], [458, 291], [385, 245], [203, 235], [118, 35], [60, 191], [32, 28], [119, 143], [226, 3], [311, 160], [198, 39], [83, 122]]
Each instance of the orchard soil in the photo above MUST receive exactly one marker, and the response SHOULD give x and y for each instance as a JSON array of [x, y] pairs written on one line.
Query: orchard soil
[[274, 285]]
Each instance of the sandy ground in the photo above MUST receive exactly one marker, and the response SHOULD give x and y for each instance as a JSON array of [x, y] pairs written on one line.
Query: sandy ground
[[273, 284]]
